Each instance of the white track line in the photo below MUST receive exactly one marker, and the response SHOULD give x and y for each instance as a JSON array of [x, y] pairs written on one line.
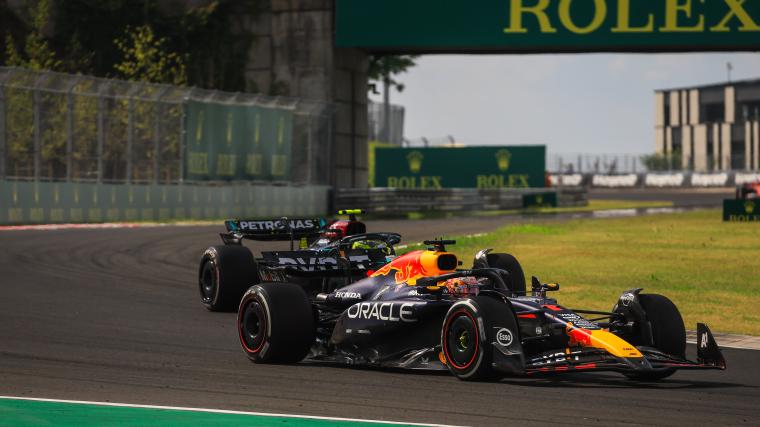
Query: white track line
[[220, 411]]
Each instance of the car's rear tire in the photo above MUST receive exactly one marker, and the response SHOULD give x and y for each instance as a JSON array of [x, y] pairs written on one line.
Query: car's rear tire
[[276, 323], [512, 266], [469, 329], [668, 331], [225, 273]]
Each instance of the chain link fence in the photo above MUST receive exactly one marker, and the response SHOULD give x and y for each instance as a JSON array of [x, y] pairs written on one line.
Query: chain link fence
[[377, 124], [571, 163], [63, 127]]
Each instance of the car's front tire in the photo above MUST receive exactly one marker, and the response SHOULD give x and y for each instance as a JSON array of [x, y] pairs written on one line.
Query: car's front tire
[[276, 323], [469, 331], [668, 332]]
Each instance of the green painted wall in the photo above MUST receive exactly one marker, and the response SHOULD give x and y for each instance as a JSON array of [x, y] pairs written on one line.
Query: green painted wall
[[46, 202]]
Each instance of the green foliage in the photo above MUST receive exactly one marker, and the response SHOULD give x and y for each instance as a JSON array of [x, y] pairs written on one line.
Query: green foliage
[[702, 263], [382, 68], [146, 59], [662, 162], [37, 53]]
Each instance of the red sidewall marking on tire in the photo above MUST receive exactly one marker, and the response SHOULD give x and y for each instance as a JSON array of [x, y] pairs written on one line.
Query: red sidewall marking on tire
[[446, 338], [241, 316]]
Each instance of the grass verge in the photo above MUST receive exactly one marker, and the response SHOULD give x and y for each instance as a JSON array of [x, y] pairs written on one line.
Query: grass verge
[[710, 269]]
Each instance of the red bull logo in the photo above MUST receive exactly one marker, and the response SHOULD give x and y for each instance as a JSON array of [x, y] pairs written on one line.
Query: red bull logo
[[412, 266]]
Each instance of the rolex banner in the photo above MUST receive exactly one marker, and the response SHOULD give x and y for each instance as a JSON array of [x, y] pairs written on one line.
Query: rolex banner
[[233, 142], [466, 167]]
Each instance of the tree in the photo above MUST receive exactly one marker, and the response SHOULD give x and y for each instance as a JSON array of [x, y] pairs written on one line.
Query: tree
[[662, 162], [37, 53], [145, 58], [382, 68]]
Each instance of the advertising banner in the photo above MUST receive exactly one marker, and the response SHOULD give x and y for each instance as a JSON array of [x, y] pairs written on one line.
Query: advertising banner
[[547, 25], [233, 142], [741, 210], [460, 167]]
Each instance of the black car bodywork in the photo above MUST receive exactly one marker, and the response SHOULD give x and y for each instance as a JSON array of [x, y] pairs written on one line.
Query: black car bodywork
[[329, 255], [420, 312]]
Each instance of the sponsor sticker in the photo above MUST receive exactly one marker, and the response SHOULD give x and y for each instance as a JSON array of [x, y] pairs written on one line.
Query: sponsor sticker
[[387, 311], [278, 225], [504, 337], [627, 298], [346, 294]]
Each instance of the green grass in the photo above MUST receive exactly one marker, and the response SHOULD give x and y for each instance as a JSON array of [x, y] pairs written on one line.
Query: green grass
[[709, 268]]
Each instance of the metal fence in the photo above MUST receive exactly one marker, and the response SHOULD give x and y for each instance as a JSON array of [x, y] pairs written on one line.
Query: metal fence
[[63, 127], [376, 123], [571, 163]]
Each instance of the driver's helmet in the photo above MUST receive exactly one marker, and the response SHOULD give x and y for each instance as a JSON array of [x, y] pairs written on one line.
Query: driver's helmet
[[373, 244]]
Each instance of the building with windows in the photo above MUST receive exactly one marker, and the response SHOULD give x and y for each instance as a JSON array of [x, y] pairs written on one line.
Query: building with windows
[[710, 128]]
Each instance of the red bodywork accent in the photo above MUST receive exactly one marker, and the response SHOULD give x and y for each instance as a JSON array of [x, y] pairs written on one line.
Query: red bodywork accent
[[406, 266], [579, 336], [526, 316], [553, 307]]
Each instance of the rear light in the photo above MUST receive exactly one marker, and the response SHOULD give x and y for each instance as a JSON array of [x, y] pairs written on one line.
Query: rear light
[[370, 273]]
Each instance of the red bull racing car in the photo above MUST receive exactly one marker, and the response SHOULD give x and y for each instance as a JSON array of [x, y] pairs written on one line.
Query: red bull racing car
[[329, 255], [421, 311]]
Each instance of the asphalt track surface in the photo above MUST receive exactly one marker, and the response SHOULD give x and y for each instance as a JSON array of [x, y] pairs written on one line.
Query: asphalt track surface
[[114, 315], [681, 197]]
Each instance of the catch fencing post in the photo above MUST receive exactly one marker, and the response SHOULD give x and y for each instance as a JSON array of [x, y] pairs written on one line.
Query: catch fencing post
[[37, 148], [70, 130], [159, 108], [101, 132], [130, 135], [309, 150], [2, 132], [182, 132]]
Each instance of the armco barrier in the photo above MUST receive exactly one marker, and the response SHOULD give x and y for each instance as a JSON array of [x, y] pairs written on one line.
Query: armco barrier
[[393, 200], [50, 202], [664, 180]]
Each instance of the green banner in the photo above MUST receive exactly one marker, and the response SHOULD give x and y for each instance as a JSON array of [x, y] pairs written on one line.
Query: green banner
[[465, 167], [741, 210], [234, 142], [548, 25]]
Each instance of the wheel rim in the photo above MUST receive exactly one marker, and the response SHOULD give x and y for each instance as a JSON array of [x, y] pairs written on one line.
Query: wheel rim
[[461, 340], [208, 283], [253, 327]]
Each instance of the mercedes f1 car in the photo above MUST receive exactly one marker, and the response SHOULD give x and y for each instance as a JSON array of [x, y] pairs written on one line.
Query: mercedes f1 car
[[329, 255], [420, 311]]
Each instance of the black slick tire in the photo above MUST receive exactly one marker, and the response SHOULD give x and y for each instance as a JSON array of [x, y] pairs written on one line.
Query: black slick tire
[[276, 323], [224, 274], [668, 331], [512, 266], [468, 331]]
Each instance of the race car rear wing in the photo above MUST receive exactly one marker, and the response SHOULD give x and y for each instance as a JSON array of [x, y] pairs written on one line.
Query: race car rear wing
[[282, 229]]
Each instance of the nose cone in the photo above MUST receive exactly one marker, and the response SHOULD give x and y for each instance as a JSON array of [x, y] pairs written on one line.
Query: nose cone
[[604, 340]]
